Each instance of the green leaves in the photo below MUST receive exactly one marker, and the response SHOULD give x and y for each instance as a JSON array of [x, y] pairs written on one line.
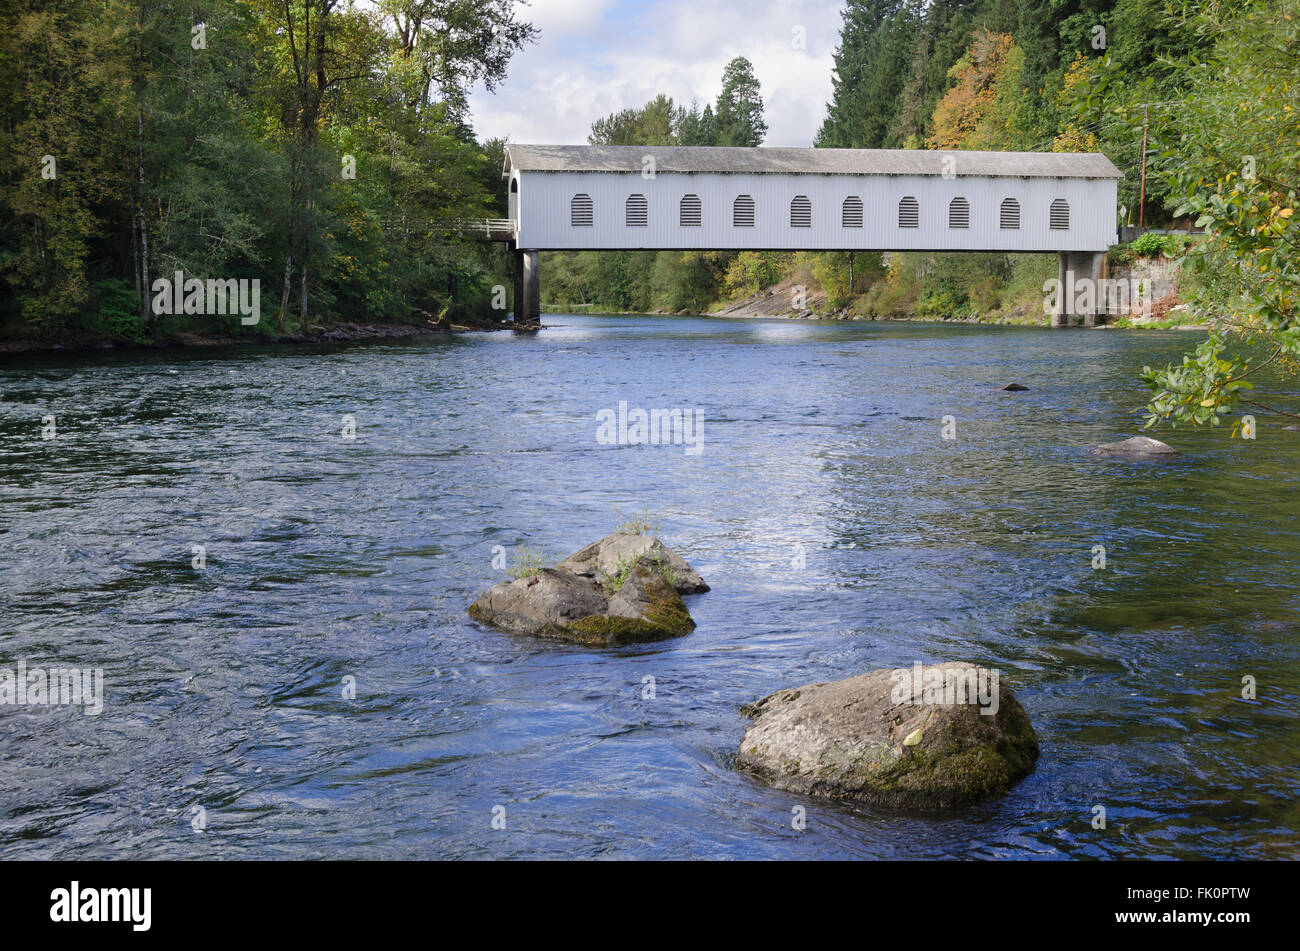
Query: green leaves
[[1204, 387], [1236, 170]]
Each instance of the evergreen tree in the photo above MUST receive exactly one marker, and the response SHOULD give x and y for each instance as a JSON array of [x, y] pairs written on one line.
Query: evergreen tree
[[739, 114]]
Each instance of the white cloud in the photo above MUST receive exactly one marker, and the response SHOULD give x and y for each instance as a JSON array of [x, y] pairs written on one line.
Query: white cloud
[[597, 56], [560, 17]]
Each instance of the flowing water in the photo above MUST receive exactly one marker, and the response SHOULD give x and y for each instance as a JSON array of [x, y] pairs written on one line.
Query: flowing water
[[839, 531]]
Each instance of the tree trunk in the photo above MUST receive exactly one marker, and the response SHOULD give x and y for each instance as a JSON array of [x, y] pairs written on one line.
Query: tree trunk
[[302, 300], [146, 312], [284, 295]]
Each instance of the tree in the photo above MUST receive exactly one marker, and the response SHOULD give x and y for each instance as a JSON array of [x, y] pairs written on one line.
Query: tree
[[1235, 168], [740, 106], [979, 112], [655, 123], [695, 127], [449, 45], [877, 44], [66, 99], [320, 144]]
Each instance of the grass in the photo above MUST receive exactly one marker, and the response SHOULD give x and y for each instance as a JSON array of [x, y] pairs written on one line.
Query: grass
[[640, 524], [622, 571], [526, 563], [623, 568]]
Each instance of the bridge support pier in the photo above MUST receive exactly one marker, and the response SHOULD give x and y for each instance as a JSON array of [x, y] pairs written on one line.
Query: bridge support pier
[[1080, 274], [528, 300]]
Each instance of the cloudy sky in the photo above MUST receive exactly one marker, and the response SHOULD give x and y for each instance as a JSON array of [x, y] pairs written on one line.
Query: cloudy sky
[[595, 57]]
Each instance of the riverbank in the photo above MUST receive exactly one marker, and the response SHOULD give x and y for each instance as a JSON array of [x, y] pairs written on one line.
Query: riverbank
[[1175, 322], [1146, 289], [334, 333]]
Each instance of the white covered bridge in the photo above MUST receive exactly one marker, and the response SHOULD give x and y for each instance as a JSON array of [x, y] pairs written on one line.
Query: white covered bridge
[[678, 198]]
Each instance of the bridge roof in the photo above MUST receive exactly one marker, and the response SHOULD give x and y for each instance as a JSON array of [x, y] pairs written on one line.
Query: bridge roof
[[628, 158]]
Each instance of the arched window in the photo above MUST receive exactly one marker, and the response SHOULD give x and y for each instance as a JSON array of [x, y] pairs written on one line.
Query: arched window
[[959, 213], [851, 213], [638, 211], [742, 212], [1060, 218], [581, 213], [692, 212], [514, 186], [909, 213], [1010, 217], [800, 212]]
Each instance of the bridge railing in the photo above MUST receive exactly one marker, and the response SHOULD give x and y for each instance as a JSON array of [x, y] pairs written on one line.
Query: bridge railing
[[494, 229]]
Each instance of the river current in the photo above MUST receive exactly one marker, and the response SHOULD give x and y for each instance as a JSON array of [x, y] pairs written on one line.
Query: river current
[[313, 688]]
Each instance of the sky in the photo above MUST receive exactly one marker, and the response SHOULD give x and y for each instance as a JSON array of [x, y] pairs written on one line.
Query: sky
[[595, 57]]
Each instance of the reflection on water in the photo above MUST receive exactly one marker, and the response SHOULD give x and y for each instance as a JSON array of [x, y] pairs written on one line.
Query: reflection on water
[[328, 559]]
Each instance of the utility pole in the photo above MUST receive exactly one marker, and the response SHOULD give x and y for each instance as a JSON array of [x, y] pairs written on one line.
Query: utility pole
[[1142, 198]]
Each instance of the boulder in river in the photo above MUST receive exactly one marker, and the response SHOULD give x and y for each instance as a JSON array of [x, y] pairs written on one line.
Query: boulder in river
[[1138, 447], [622, 589], [602, 559], [941, 736], [1014, 388]]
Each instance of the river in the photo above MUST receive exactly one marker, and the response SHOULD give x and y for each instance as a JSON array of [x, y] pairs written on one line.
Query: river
[[839, 530]]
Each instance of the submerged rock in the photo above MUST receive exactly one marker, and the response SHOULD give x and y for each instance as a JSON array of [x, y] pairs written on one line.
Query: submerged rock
[[942, 736], [1013, 388], [1138, 447], [622, 589]]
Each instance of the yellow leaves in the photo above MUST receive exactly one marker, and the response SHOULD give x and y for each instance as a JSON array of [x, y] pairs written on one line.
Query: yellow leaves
[[1209, 402], [976, 112], [913, 738], [1285, 212]]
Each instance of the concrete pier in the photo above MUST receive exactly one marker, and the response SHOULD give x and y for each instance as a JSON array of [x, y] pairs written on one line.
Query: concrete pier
[[528, 301], [1078, 271]]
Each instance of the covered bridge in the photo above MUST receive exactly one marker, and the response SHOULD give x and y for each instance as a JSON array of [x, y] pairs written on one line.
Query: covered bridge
[[567, 197]]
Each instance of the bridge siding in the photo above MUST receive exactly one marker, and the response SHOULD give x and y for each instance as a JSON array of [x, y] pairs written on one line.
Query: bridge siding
[[544, 212]]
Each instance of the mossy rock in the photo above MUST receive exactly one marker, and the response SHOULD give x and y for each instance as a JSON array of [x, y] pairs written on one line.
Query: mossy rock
[[864, 739], [638, 602]]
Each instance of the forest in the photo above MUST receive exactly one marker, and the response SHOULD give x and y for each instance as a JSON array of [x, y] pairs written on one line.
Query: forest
[[321, 148]]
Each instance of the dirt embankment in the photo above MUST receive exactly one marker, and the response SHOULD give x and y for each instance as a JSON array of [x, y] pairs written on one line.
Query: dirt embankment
[[787, 299]]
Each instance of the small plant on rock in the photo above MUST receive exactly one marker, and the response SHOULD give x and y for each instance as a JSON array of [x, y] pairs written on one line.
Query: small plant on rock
[[526, 563], [622, 571], [640, 524]]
